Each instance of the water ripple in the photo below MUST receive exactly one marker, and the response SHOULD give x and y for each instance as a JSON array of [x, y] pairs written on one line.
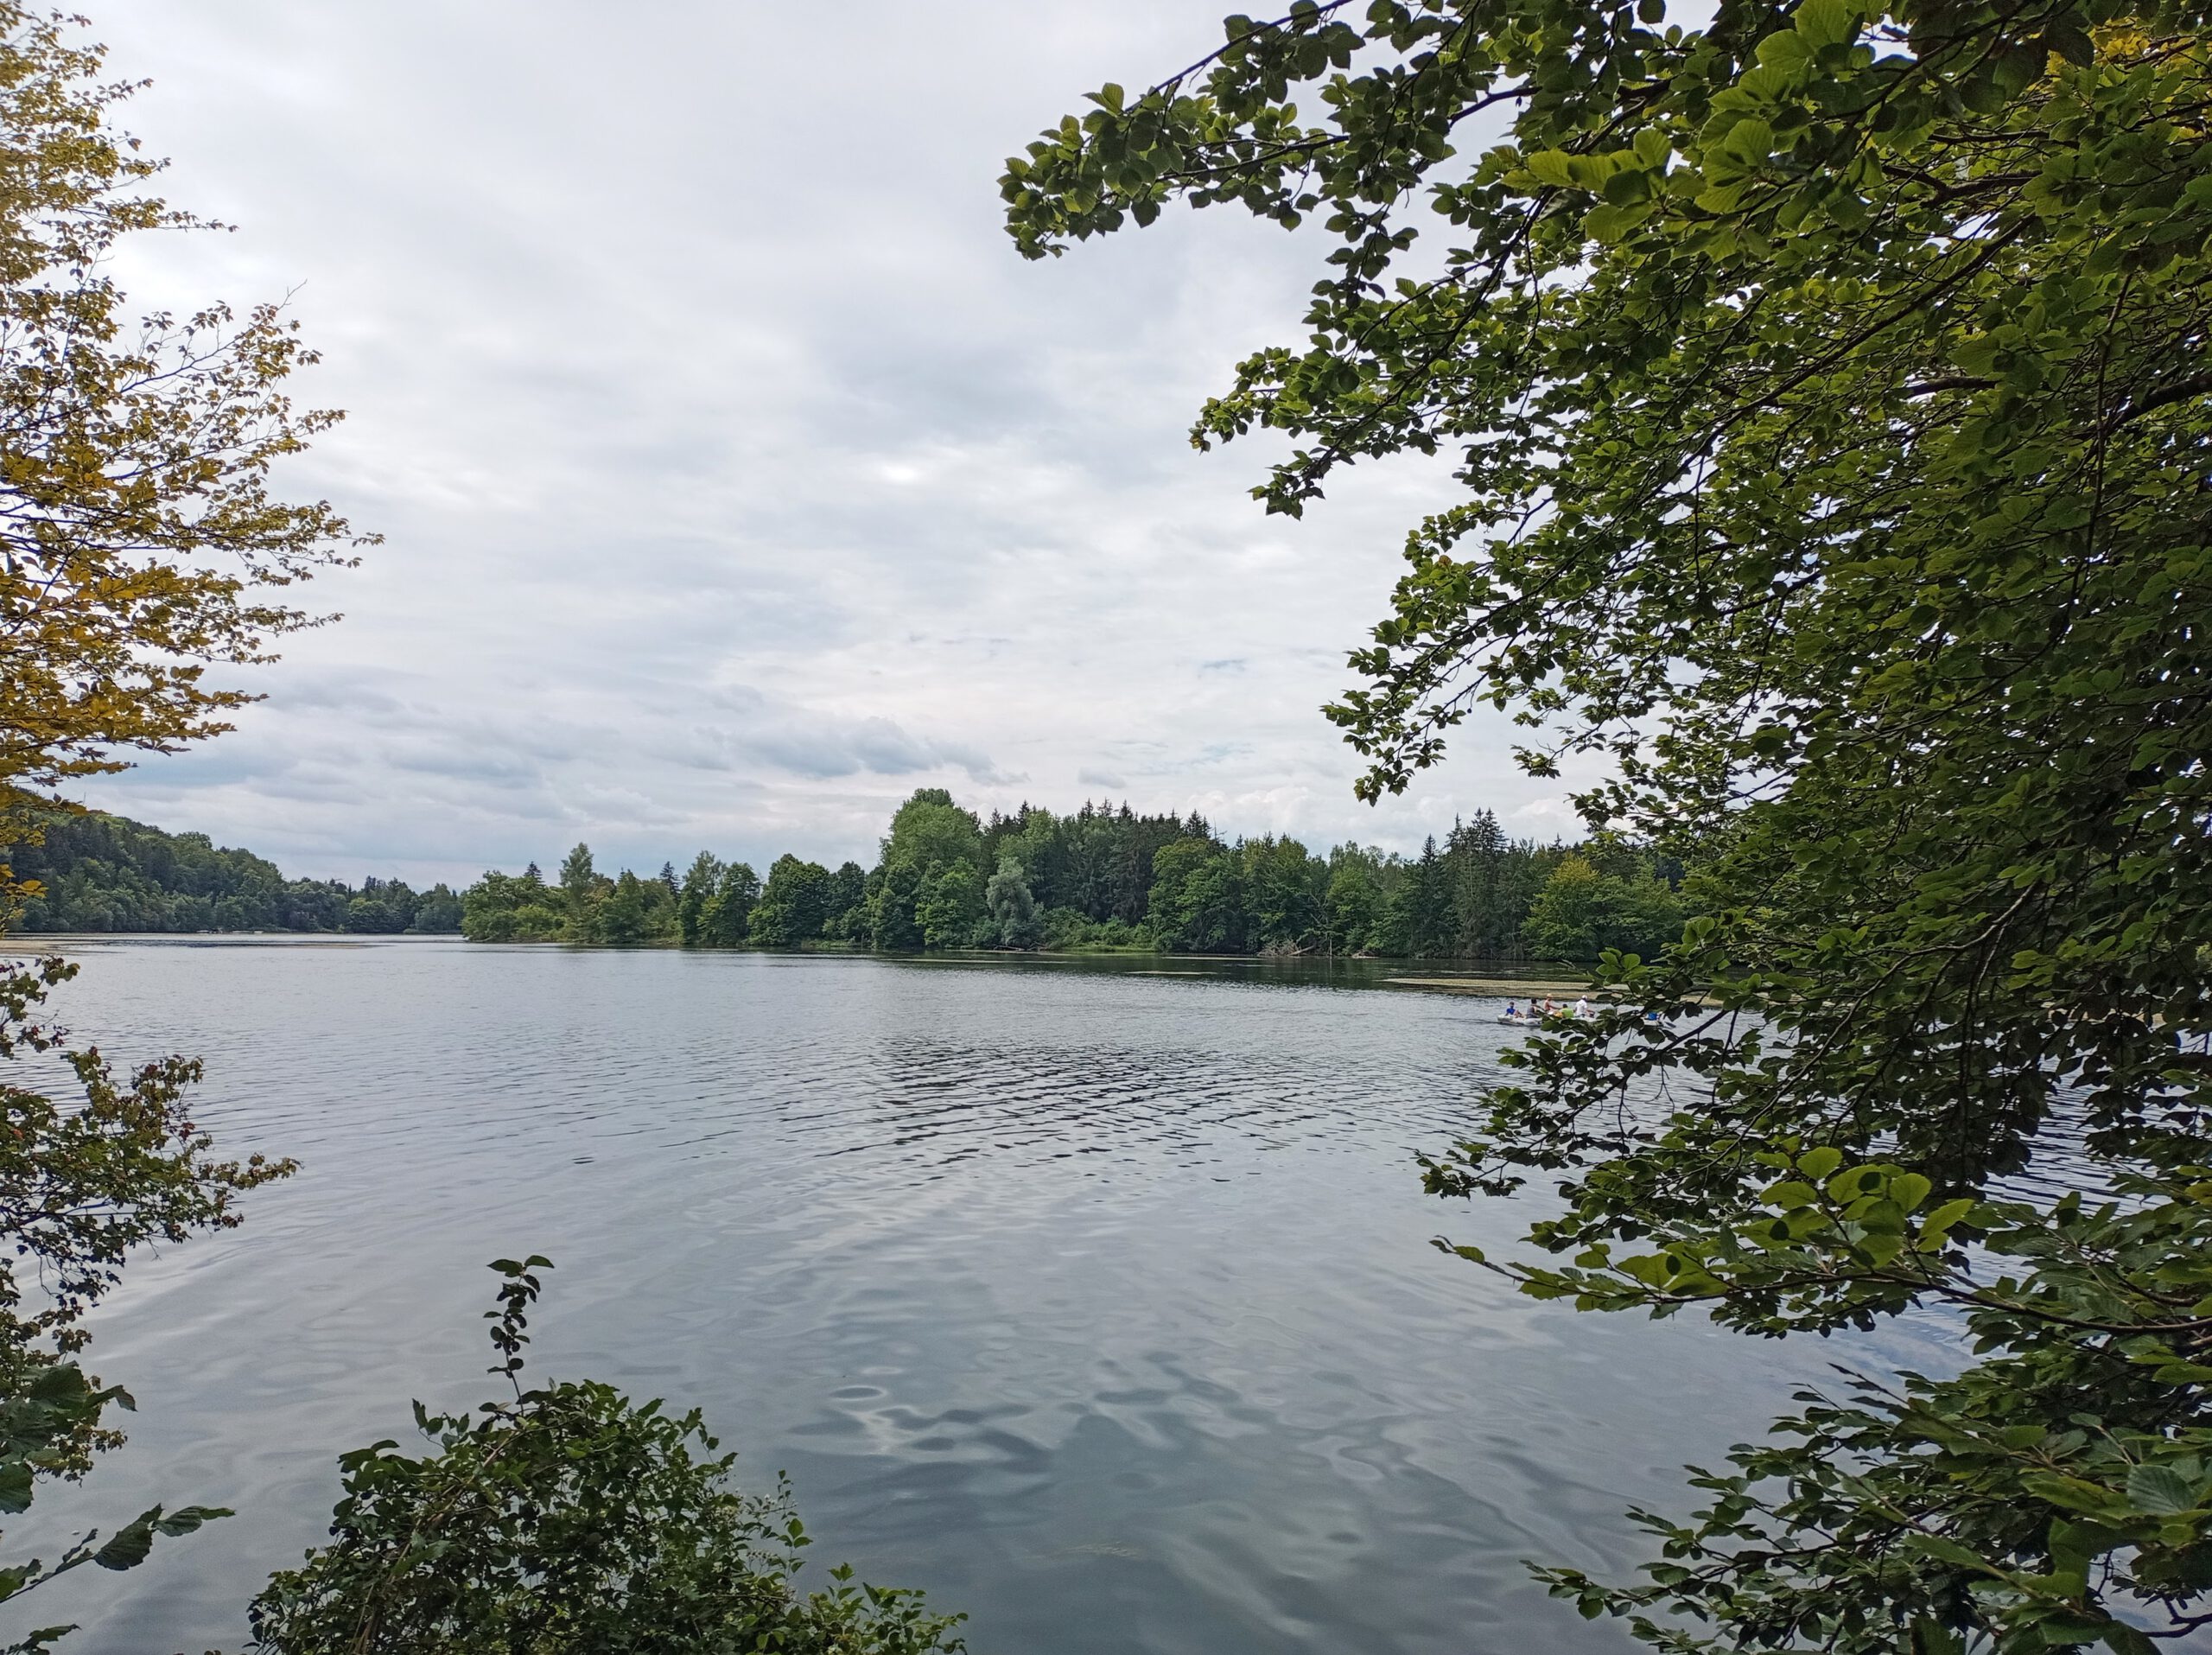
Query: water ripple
[[1100, 1304]]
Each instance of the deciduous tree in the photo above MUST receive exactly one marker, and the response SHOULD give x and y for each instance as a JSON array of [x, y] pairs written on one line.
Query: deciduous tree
[[700, 881], [794, 906], [1013, 910], [140, 538], [140, 542], [1826, 385], [728, 918]]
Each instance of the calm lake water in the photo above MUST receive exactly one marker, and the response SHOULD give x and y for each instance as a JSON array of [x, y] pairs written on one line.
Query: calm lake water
[[1097, 1301]]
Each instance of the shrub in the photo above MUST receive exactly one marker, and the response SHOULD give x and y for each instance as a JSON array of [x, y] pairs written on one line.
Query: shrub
[[569, 1519]]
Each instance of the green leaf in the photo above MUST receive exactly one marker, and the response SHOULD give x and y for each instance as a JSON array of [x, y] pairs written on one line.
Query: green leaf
[[1819, 1164], [2062, 1629], [2073, 1493], [2160, 1488], [128, 1546], [1826, 23], [186, 1518], [1554, 166], [1947, 1550], [1930, 1638], [2075, 1546], [1784, 49], [1749, 141], [1882, 1245], [1945, 1217], [1609, 223]]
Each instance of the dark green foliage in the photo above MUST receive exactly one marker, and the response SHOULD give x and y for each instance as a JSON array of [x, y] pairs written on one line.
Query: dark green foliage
[[1096, 863], [588, 906], [891, 905], [1269, 895], [568, 1520], [794, 907], [727, 920], [1284, 890], [1827, 386], [1494, 884], [932, 896], [848, 915], [949, 906], [623, 915], [580, 892], [104, 873], [697, 890], [1101, 878], [1467, 897], [1581, 912], [1198, 899], [518, 907], [2027, 1494], [1419, 912], [1015, 916], [1352, 903]]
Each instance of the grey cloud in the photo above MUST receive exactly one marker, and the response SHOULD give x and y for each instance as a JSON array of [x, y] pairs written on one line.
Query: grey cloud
[[807, 742], [353, 693], [641, 428], [490, 768]]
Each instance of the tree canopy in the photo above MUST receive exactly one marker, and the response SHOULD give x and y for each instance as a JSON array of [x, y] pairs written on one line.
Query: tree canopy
[[139, 536], [140, 541], [97, 872], [1102, 877], [1824, 388]]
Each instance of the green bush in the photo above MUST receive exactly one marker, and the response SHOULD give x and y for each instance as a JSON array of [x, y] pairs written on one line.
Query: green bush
[[570, 1519]]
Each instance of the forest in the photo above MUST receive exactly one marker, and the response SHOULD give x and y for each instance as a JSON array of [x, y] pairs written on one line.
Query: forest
[[97, 872], [1106, 877]]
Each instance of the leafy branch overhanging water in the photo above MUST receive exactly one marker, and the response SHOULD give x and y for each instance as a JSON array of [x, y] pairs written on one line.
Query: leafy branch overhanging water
[[1827, 386]]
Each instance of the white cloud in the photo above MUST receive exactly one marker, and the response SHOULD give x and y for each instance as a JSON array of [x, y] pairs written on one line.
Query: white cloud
[[737, 477]]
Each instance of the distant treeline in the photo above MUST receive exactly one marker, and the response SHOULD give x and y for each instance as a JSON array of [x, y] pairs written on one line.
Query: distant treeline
[[104, 873], [1110, 878]]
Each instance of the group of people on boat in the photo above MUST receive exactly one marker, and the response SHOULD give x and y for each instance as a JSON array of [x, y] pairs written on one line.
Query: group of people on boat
[[1540, 1011]]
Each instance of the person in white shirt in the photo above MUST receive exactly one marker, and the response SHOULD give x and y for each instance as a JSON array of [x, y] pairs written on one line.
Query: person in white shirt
[[1581, 1008]]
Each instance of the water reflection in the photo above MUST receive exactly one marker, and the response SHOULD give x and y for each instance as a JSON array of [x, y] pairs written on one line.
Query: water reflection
[[1099, 1302]]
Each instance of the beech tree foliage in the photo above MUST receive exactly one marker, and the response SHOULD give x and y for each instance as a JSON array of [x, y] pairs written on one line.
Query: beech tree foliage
[[1825, 386], [139, 538]]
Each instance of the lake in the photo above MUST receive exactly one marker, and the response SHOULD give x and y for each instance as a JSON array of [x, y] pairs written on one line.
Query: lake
[[1096, 1296]]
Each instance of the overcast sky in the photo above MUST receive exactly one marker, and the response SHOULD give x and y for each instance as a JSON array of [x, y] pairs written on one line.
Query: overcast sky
[[736, 476]]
